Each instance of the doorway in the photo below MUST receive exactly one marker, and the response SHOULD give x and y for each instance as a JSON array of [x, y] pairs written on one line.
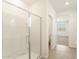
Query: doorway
[[62, 32], [50, 30]]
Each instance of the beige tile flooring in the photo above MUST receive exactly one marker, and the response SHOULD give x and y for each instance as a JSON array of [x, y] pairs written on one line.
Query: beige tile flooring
[[62, 52]]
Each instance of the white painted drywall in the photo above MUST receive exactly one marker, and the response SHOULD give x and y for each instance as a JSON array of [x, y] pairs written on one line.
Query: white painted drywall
[[72, 18]]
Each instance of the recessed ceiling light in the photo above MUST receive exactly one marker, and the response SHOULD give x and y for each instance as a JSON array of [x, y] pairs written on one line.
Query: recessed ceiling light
[[66, 3]]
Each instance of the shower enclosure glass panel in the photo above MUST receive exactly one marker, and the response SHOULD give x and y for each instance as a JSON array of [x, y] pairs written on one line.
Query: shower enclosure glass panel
[[14, 32]]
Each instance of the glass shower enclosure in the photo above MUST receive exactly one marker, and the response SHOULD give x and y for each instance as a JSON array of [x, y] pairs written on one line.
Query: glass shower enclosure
[[21, 33]]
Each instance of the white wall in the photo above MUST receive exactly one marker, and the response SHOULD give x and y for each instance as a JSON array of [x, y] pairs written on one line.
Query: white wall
[[72, 17]]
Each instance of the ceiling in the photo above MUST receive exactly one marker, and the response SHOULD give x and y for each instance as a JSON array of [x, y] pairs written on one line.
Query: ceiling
[[59, 5], [29, 2]]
